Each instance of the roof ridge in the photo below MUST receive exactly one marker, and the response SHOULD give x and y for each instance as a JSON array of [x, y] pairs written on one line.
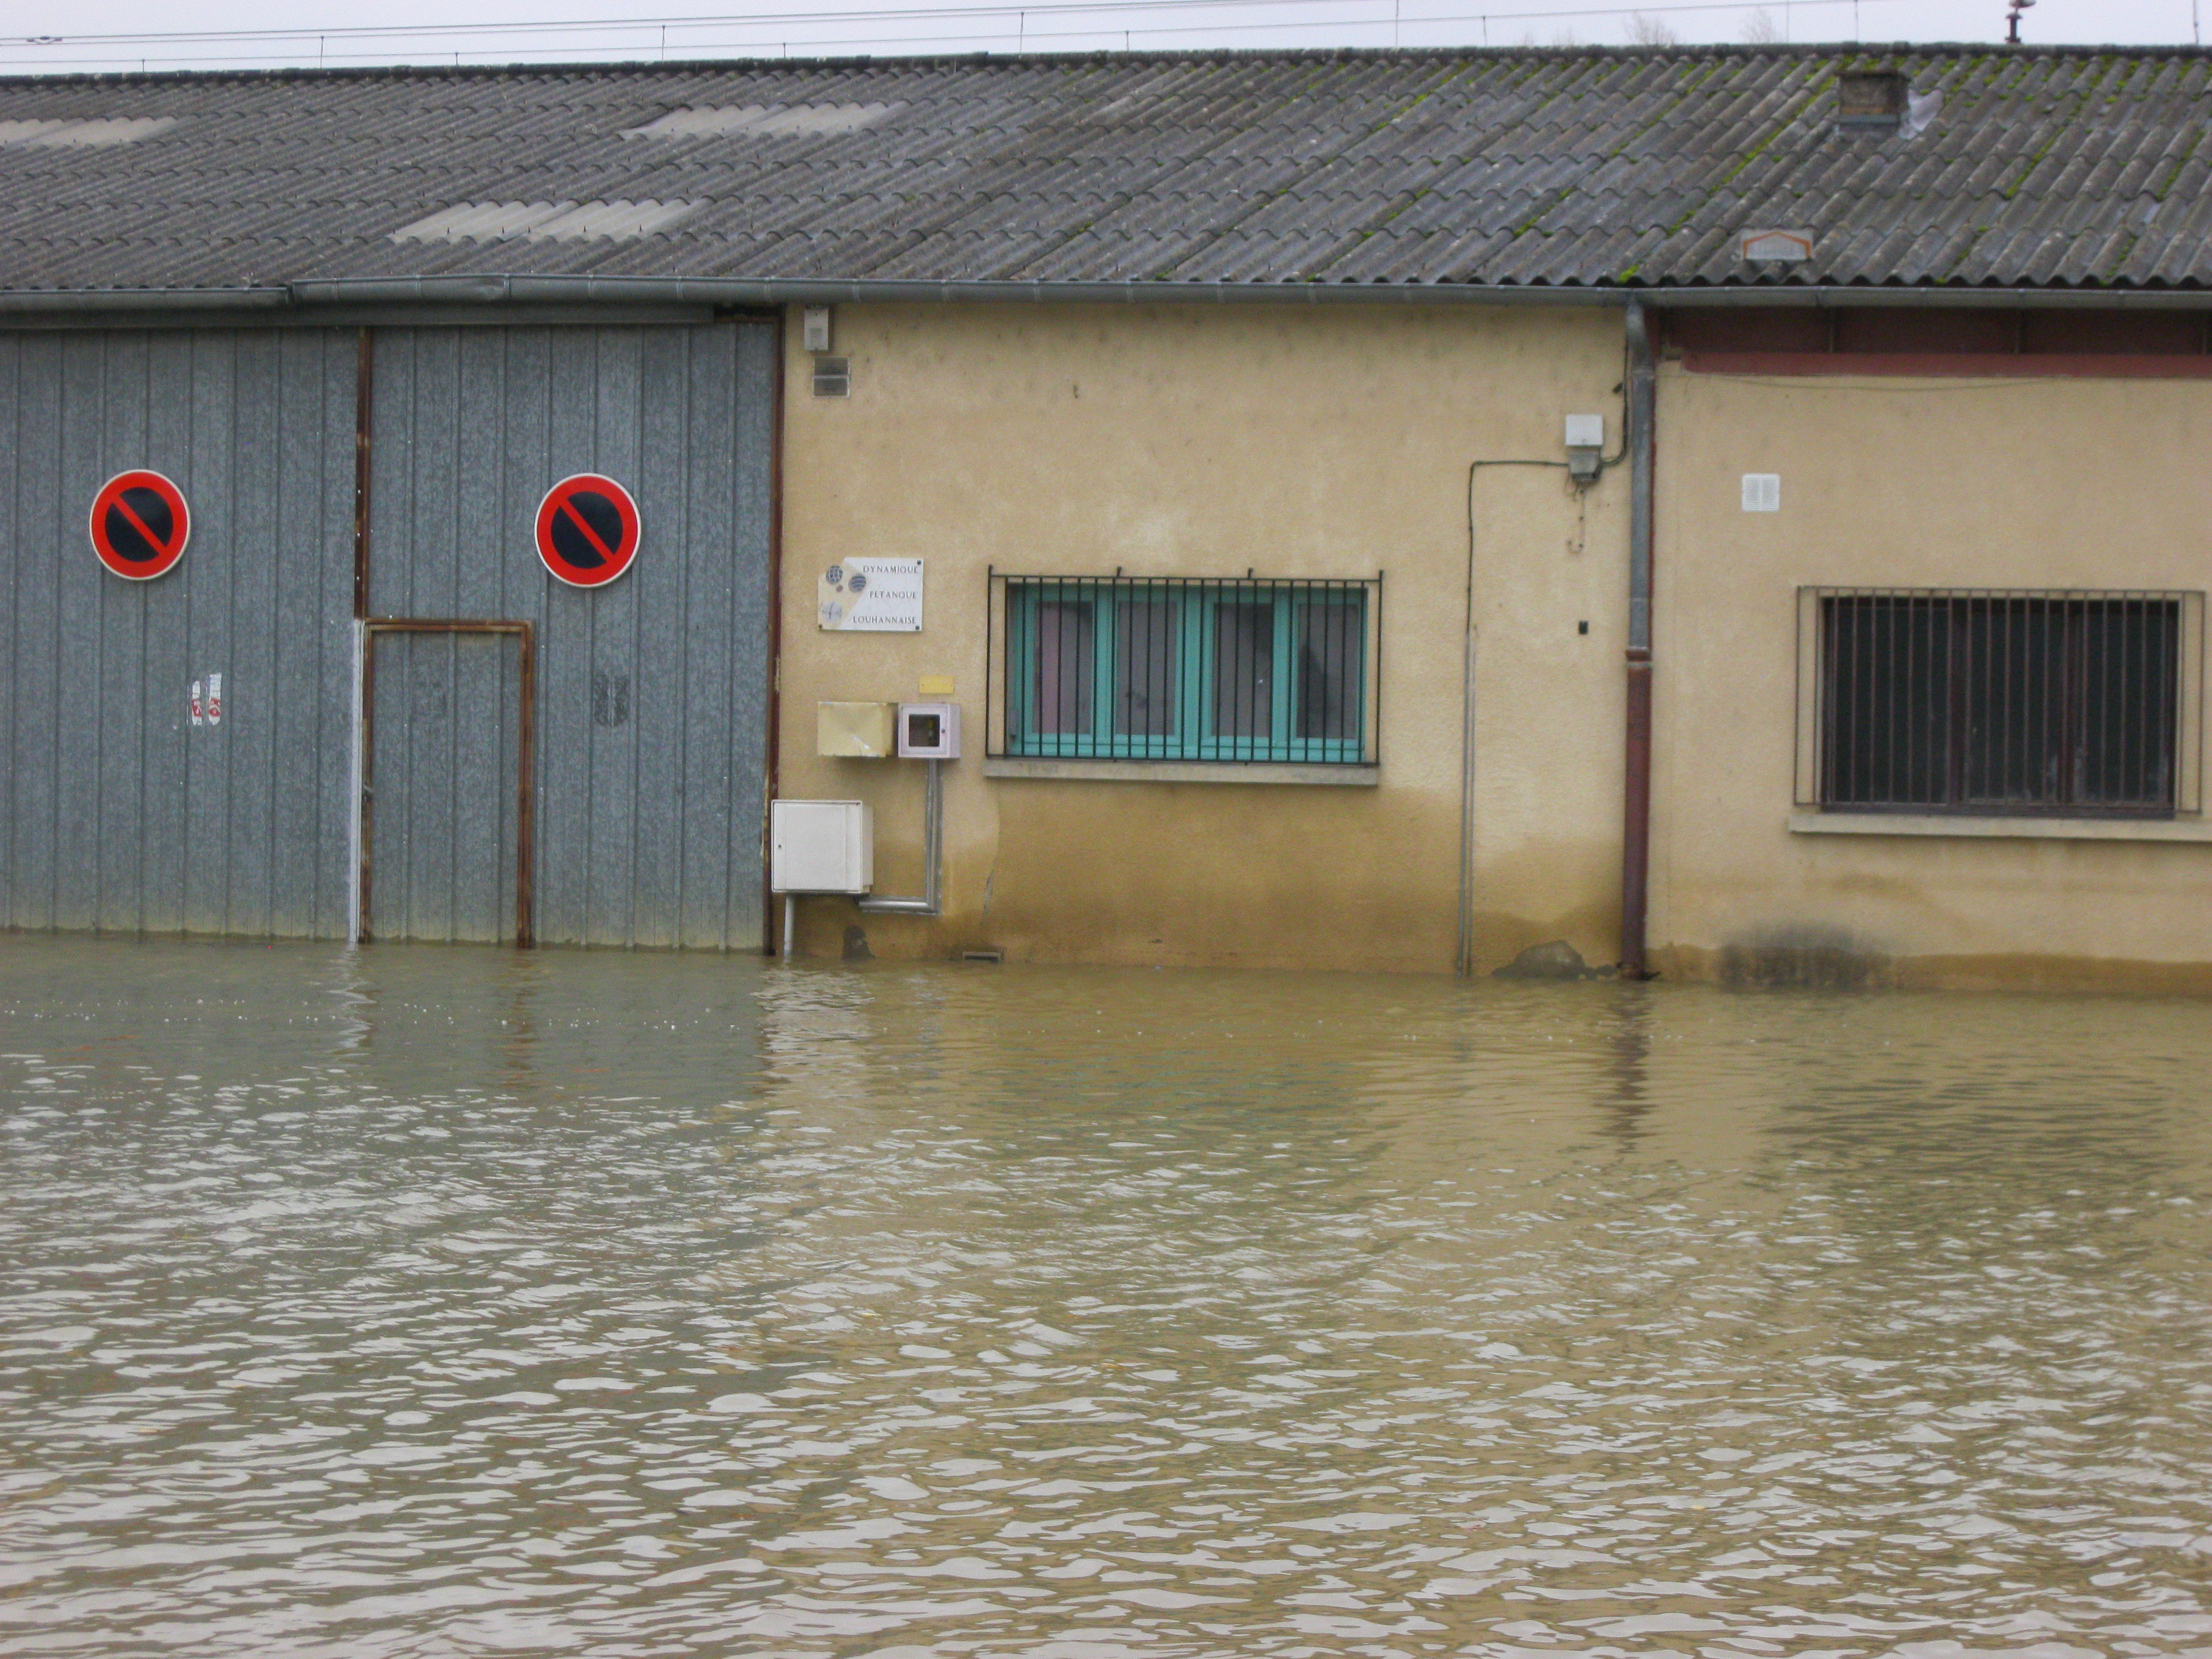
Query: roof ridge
[[645, 71]]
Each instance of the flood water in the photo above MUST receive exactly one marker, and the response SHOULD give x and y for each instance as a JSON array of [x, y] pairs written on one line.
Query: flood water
[[442, 1301]]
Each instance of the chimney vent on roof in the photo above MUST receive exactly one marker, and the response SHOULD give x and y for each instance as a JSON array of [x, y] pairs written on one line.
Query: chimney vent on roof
[[1870, 100]]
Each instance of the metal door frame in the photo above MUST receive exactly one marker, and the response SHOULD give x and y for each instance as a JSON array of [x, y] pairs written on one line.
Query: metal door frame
[[364, 813]]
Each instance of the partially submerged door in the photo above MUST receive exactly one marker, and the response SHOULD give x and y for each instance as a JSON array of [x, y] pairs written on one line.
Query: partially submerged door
[[447, 831], [652, 690]]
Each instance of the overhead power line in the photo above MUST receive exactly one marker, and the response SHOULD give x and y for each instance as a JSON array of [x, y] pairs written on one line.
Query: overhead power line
[[656, 30], [815, 18]]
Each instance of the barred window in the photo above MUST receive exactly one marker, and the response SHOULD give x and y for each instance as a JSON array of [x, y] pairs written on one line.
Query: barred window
[[2030, 702], [1187, 668]]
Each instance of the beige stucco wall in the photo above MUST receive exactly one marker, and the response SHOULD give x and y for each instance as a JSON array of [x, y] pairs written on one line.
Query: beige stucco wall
[[1294, 440], [2013, 483]]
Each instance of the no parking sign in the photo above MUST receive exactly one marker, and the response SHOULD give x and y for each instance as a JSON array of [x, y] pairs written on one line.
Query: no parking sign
[[140, 524], [587, 529]]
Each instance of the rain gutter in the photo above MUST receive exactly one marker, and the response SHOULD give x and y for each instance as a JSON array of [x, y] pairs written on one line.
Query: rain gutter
[[555, 290], [718, 291], [94, 301], [498, 290], [1933, 299]]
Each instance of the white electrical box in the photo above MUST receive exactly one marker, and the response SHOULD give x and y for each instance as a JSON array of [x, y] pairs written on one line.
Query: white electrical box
[[1586, 432], [814, 328], [929, 731], [821, 847]]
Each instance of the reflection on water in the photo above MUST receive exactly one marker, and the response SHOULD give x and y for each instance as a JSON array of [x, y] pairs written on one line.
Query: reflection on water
[[444, 1302]]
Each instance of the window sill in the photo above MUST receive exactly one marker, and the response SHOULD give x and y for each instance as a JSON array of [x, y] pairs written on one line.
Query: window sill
[[1120, 771], [1999, 828]]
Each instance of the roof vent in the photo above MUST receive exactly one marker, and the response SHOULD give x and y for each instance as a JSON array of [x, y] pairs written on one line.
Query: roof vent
[[1873, 99], [1791, 247]]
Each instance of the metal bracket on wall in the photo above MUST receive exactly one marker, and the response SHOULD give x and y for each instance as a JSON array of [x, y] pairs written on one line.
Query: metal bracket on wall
[[365, 752], [933, 854]]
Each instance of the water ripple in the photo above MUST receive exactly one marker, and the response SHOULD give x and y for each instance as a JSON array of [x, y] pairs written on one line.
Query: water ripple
[[435, 1301]]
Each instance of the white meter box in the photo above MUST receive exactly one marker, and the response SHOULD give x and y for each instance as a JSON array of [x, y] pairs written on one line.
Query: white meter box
[[821, 847], [929, 731], [870, 596]]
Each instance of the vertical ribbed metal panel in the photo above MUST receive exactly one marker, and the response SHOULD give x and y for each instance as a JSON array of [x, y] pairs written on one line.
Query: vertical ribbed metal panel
[[652, 713], [118, 815]]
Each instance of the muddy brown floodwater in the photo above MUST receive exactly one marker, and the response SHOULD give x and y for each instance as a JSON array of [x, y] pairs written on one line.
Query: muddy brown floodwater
[[447, 1302]]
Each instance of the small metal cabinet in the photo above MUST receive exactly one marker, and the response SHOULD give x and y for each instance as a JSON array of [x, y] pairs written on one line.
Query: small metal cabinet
[[821, 847], [929, 731]]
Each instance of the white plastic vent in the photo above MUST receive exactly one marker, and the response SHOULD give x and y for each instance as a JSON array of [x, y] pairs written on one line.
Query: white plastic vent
[[545, 221], [764, 121], [102, 133]]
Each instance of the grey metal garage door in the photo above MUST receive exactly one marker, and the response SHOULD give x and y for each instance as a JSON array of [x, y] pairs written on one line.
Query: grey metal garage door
[[118, 813]]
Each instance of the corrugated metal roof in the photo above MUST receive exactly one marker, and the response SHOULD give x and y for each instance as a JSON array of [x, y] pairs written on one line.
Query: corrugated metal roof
[[1562, 167]]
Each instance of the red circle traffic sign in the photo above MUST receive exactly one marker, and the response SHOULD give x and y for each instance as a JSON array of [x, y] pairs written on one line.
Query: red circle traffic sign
[[140, 524], [587, 529]]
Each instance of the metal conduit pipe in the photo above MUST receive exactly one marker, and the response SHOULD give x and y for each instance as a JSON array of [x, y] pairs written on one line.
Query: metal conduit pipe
[[1463, 961], [933, 854], [1635, 826]]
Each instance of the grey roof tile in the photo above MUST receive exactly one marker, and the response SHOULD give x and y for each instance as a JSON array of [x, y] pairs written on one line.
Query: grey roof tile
[[1575, 166]]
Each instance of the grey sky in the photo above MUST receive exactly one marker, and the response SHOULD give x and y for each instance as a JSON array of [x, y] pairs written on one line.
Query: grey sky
[[67, 34]]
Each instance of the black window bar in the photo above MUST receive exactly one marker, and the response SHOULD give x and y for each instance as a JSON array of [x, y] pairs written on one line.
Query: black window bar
[[1247, 669], [2069, 704]]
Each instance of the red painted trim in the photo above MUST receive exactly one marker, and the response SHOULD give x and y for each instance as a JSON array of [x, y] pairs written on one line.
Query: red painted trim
[[2034, 365]]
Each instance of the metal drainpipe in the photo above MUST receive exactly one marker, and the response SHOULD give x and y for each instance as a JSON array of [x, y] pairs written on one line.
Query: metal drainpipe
[[1636, 829], [933, 854]]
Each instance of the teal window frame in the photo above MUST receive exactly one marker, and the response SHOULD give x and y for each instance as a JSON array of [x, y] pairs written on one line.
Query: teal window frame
[[1194, 668]]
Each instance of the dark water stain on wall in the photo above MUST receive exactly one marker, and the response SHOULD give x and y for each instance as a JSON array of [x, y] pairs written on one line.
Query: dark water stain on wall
[[1807, 956]]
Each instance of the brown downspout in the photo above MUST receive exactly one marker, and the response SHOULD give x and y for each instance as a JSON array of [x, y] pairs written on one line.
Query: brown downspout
[[770, 940], [1636, 828]]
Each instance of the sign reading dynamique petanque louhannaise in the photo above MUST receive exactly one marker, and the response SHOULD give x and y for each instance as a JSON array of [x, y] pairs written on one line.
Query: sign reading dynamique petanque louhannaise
[[871, 595]]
